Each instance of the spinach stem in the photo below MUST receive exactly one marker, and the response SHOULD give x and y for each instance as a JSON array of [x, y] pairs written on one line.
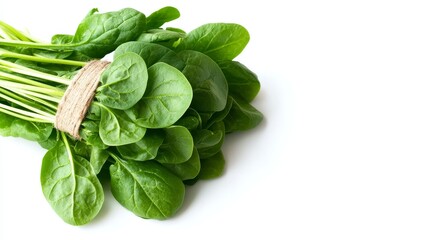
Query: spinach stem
[[26, 118], [31, 72], [18, 43], [27, 106], [38, 95], [30, 100], [8, 76], [14, 85], [38, 58], [23, 113]]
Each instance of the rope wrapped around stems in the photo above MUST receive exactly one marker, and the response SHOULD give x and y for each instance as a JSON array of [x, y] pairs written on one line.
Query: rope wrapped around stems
[[77, 99]]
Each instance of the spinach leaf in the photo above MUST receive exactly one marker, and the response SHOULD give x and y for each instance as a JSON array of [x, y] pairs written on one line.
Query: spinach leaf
[[62, 38], [116, 128], [219, 116], [167, 97], [98, 158], [151, 53], [242, 116], [242, 82], [212, 167], [81, 149], [70, 185], [99, 34], [160, 35], [191, 120], [220, 41], [186, 170], [163, 15], [207, 80], [177, 146], [145, 149], [51, 141], [124, 81], [146, 188], [89, 131], [16, 127], [209, 141]]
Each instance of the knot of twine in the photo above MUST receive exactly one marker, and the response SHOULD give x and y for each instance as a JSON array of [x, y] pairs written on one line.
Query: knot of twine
[[78, 97]]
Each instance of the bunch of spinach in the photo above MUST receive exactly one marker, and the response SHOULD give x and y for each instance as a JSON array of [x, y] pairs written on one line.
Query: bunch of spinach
[[159, 117]]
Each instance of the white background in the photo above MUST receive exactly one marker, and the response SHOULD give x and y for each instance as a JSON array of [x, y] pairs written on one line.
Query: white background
[[342, 152]]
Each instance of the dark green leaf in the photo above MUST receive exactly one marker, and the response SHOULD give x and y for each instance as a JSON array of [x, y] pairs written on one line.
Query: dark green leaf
[[242, 82], [242, 116], [160, 35], [177, 146], [98, 158], [167, 97], [188, 169], [124, 82], [191, 120], [70, 185], [117, 129], [151, 53], [209, 141], [15, 127], [146, 188], [145, 149], [207, 80], [220, 41], [51, 141], [163, 15], [212, 167], [89, 131], [99, 34]]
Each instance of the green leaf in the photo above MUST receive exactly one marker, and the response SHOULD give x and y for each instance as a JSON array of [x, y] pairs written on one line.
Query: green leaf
[[151, 53], [242, 116], [15, 127], [167, 97], [160, 35], [177, 147], [62, 38], [89, 131], [98, 158], [220, 41], [99, 34], [124, 81], [186, 170], [116, 128], [70, 185], [219, 116], [191, 120], [209, 141], [145, 149], [163, 15], [146, 188], [242, 82], [207, 80], [212, 167], [51, 141]]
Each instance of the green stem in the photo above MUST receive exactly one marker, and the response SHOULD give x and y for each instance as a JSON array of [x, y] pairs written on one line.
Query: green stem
[[41, 104], [8, 76], [37, 95], [21, 112], [24, 105], [17, 43], [48, 91], [31, 72], [31, 119], [5, 53]]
